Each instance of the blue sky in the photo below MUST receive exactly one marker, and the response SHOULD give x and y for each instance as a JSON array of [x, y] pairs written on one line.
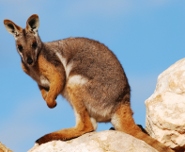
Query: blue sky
[[147, 36]]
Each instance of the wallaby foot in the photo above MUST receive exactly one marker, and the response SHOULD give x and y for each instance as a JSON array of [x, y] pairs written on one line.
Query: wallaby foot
[[65, 134]]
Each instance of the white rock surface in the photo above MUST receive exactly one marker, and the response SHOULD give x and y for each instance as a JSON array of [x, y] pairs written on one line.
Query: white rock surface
[[106, 141], [165, 118]]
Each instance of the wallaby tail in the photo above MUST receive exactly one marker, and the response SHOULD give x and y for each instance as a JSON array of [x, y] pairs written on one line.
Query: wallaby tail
[[122, 120]]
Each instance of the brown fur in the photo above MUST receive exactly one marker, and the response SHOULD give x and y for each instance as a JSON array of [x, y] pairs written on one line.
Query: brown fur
[[48, 70], [86, 73]]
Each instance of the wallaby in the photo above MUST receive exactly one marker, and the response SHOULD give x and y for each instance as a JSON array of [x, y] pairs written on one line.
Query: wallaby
[[86, 73]]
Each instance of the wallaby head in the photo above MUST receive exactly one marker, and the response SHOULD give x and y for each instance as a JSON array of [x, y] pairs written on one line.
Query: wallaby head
[[27, 40]]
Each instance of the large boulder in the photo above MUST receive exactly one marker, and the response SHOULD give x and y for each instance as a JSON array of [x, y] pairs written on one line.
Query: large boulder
[[106, 141], [165, 108]]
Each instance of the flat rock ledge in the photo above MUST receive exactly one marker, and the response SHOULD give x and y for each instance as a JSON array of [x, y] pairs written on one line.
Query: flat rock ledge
[[105, 141]]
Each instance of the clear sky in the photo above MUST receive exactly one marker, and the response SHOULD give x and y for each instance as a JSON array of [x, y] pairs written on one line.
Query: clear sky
[[146, 35]]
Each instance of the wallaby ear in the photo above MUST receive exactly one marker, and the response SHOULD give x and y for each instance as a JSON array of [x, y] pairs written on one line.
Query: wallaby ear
[[12, 28], [32, 23]]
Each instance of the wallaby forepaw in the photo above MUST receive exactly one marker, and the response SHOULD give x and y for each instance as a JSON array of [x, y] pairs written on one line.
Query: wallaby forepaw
[[51, 103]]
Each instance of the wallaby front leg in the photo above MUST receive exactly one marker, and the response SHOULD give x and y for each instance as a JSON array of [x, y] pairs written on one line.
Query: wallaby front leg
[[56, 78], [56, 85]]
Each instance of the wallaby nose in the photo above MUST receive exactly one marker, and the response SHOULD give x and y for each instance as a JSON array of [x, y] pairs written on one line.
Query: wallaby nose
[[29, 60]]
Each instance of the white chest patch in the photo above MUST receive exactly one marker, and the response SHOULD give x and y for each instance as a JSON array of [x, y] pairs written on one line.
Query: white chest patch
[[44, 82]]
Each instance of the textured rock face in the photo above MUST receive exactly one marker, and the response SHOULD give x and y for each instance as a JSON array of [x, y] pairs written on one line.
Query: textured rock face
[[106, 141], [3, 148], [165, 119]]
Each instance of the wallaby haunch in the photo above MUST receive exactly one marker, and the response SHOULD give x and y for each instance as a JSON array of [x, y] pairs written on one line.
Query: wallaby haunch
[[86, 73]]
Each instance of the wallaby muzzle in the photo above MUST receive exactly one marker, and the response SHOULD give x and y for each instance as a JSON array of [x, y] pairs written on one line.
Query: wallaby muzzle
[[29, 60]]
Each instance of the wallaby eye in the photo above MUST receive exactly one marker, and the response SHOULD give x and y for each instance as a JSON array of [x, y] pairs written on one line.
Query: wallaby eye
[[34, 45], [20, 48]]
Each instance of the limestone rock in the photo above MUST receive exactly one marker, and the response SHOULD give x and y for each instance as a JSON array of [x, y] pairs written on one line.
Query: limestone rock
[[165, 118], [106, 141], [3, 148]]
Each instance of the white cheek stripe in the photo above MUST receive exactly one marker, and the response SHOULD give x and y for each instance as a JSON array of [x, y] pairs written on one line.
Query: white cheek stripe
[[36, 53], [21, 54]]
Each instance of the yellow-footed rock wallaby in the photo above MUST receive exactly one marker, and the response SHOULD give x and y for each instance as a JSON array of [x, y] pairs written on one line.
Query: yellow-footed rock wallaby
[[86, 73]]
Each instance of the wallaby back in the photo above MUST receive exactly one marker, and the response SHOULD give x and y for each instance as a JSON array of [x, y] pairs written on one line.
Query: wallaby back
[[86, 73]]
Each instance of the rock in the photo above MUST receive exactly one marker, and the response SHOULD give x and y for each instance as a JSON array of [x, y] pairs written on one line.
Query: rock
[[106, 141], [165, 108], [3, 148]]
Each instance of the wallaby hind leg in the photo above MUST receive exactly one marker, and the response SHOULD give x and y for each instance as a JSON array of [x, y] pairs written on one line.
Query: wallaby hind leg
[[84, 123], [122, 120]]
